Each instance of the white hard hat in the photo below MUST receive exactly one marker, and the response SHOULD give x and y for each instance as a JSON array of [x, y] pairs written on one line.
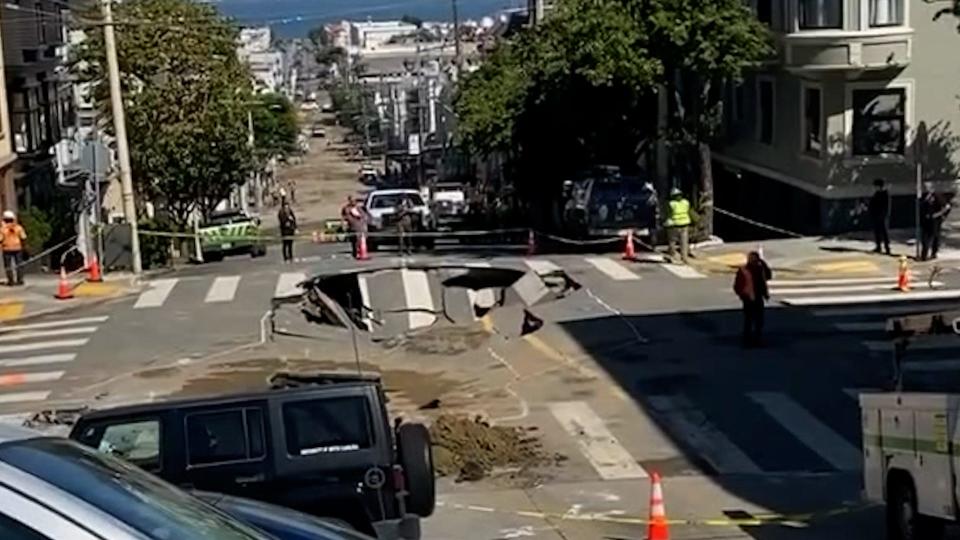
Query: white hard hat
[[8, 214]]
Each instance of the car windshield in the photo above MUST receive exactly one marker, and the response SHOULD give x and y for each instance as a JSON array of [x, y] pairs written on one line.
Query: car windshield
[[225, 219], [142, 501], [392, 200]]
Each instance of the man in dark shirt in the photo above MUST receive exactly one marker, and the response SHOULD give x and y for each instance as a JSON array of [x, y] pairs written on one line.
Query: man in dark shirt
[[933, 209], [880, 216], [288, 228], [750, 285]]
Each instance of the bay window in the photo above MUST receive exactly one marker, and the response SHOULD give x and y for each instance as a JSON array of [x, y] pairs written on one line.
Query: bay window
[[879, 121], [886, 12], [820, 14]]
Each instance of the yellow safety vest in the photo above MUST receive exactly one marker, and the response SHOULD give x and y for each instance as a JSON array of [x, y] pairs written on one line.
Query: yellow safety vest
[[679, 213]]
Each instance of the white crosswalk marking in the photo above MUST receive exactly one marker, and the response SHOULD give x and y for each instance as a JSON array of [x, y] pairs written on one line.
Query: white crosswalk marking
[[612, 268], [689, 423], [609, 458], [224, 288], [843, 289], [37, 360], [27, 378], [416, 290], [927, 343], [287, 283], [831, 281], [20, 397], [156, 294], [931, 366], [541, 266], [52, 324], [912, 296], [364, 300], [683, 271], [38, 346], [20, 336], [860, 326], [833, 448]]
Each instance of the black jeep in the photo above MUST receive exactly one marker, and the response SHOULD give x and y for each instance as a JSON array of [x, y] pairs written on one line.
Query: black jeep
[[321, 444]]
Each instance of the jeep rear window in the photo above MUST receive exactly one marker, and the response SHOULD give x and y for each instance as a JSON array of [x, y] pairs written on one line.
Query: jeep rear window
[[327, 426]]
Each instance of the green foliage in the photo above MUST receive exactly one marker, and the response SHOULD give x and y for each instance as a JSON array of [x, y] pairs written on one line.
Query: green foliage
[[318, 36], [952, 10], [275, 126], [38, 228], [186, 96], [328, 55]]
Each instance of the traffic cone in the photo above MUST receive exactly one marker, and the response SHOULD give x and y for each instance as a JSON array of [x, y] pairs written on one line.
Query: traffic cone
[[63, 287], [531, 243], [94, 270], [362, 254], [903, 275], [629, 253], [657, 528]]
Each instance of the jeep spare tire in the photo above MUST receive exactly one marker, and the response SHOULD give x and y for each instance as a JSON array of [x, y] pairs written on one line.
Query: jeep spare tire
[[416, 457]]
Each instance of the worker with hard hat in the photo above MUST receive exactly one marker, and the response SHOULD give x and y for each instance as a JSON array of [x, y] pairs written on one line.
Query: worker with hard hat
[[678, 224], [13, 238]]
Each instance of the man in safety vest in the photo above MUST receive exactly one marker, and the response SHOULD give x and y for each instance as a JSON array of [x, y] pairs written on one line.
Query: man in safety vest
[[678, 224], [13, 237], [750, 285]]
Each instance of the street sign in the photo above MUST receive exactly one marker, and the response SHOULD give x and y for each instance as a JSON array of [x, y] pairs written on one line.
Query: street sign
[[413, 144], [921, 142]]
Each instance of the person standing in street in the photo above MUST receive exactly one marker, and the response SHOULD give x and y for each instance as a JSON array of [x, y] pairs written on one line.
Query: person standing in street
[[13, 238], [933, 208], [405, 226], [751, 286], [678, 225], [288, 228], [355, 217], [880, 216]]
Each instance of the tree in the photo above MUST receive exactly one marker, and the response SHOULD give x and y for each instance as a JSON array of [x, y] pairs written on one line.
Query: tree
[[186, 96], [319, 37], [275, 126], [952, 10]]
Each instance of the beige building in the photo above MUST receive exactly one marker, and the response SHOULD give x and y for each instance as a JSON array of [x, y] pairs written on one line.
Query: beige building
[[852, 85], [8, 193]]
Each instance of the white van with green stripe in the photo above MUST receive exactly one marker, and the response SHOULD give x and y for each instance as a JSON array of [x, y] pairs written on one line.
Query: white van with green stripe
[[911, 456], [231, 232]]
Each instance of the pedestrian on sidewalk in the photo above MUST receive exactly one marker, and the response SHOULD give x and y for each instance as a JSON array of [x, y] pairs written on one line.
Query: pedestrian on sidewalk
[[880, 216], [355, 216], [13, 238], [933, 209], [288, 229], [750, 285], [678, 225]]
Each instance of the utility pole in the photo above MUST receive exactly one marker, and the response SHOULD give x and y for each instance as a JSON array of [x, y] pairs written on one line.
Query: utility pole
[[365, 120], [456, 38], [420, 142], [120, 127]]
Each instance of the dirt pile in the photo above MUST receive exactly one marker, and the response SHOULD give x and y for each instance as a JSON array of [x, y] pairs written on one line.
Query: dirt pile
[[470, 449]]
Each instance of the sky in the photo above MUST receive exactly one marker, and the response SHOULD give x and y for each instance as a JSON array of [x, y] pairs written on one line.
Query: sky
[[294, 18]]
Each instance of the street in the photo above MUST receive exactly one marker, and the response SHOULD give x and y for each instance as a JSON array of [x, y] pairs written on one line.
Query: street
[[639, 371]]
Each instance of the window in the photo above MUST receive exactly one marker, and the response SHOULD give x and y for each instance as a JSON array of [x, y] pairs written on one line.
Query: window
[[765, 110], [879, 121], [224, 436], [812, 121], [136, 442], [820, 14], [11, 529], [29, 55], [325, 426], [765, 11], [886, 12]]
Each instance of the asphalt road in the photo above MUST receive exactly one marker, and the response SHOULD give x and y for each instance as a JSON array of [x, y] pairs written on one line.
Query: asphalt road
[[640, 371]]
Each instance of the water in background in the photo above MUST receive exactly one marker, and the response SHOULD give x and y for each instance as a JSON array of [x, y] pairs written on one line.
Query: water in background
[[294, 18]]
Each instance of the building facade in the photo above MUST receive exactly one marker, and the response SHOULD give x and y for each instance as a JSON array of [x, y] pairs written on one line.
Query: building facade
[[852, 85], [266, 63], [8, 195]]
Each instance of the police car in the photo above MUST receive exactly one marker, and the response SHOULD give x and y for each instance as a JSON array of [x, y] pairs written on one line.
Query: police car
[[231, 232]]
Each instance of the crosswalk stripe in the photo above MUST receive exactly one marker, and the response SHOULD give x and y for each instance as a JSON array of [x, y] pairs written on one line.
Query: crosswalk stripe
[[840, 289], [870, 298], [364, 301], [931, 365], [52, 324], [860, 326], [612, 268], [11, 379], [18, 397], [927, 344], [156, 294], [828, 281], [683, 271], [37, 360], [223, 289], [809, 430], [416, 290], [604, 452], [60, 344], [287, 283], [680, 415], [888, 310], [19, 336], [541, 266]]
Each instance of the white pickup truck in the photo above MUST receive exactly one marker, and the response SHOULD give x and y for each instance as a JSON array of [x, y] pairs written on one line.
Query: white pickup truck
[[911, 453]]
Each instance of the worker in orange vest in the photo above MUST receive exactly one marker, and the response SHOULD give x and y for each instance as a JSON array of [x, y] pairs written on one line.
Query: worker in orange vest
[[13, 237], [751, 286]]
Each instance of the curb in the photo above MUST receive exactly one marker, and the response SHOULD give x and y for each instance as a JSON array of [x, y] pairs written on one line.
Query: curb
[[70, 306]]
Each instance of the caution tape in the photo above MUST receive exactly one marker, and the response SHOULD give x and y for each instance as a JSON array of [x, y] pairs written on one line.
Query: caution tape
[[618, 517], [756, 223]]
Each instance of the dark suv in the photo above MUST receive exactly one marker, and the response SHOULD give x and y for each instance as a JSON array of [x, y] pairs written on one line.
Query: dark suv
[[321, 444]]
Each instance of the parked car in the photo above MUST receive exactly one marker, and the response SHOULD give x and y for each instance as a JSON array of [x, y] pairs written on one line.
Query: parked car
[[449, 203], [382, 206], [231, 232], [322, 444], [55, 489], [318, 132], [369, 175], [603, 203]]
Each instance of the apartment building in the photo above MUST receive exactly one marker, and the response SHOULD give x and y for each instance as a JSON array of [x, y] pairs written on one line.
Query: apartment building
[[8, 196], [852, 84]]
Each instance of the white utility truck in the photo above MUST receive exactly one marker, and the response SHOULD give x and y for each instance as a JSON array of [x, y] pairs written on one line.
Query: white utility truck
[[911, 443]]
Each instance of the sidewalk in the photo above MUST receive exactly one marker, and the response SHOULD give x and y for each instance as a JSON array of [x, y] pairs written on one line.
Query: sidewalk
[[36, 297]]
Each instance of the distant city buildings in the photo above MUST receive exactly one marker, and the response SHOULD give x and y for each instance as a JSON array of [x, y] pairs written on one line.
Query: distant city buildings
[[268, 65]]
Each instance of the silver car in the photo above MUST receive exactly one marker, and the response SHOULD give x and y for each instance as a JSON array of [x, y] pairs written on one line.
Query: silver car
[[55, 489]]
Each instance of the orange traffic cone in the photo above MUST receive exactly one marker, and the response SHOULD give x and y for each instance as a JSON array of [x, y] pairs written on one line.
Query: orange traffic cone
[[362, 254], [63, 288], [531, 243], [903, 275], [657, 528], [94, 270], [629, 253]]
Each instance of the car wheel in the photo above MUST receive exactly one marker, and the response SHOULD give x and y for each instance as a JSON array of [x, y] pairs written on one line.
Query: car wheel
[[416, 457], [212, 257], [903, 520], [258, 251]]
